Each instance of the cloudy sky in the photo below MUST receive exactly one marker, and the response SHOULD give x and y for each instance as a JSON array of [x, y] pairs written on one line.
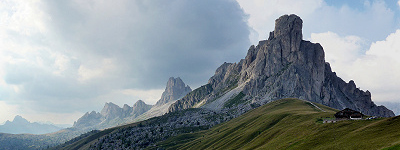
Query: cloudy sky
[[60, 59]]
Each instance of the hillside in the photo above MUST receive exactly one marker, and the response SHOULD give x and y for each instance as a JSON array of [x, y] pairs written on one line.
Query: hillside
[[282, 124], [290, 124], [140, 135]]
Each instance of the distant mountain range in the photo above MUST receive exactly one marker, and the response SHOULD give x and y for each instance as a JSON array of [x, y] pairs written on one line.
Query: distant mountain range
[[20, 125], [113, 115]]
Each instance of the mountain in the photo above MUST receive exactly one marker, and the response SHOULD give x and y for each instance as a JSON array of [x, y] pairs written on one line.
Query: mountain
[[139, 108], [394, 106], [111, 115], [84, 126], [89, 119], [174, 90], [20, 125], [291, 124], [284, 66]]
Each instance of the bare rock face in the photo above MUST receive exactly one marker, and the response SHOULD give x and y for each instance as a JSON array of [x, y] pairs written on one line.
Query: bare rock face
[[111, 115], [88, 120], [174, 90], [284, 66], [139, 108]]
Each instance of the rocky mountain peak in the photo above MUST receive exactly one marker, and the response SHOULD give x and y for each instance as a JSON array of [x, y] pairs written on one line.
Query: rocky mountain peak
[[284, 66], [110, 110], [139, 108], [19, 120], [139, 103], [289, 25], [126, 107], [174, 90]]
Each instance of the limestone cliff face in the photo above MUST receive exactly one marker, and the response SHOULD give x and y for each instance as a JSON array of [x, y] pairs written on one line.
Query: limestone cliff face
[[284, 66], [174, 90]]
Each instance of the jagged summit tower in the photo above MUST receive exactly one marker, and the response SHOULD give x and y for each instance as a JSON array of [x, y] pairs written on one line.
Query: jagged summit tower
[[284, 66]]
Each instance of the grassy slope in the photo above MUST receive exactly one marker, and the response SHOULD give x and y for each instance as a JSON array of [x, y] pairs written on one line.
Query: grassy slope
[[87, 141], [291, 124]]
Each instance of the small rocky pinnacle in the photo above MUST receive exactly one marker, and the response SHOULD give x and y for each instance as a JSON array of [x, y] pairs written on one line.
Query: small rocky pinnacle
[[288, 28], [289, 25]]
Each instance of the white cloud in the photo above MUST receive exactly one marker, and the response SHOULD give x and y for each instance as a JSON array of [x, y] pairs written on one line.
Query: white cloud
[[151, 96], [262, 13], [374, 17], [7, 111], [97, 70], [55, 118], [65, 56], [340, 52], [381, 68], [377, 69], [398, 3]]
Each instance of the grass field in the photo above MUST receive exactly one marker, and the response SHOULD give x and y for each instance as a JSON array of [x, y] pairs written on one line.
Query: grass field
[[291, 124]]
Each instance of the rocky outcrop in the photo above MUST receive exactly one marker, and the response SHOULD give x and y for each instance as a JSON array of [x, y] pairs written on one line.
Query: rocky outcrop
[[285, 66], [174, 90]]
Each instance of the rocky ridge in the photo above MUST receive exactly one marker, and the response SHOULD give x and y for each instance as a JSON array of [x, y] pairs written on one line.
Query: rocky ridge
[[111, 115], [283, 66]]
